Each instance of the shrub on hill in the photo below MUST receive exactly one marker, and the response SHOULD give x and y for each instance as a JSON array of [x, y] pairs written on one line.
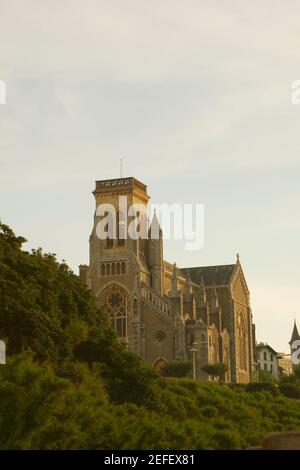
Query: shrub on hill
[[262, 386], [177, 369], [290, 390]]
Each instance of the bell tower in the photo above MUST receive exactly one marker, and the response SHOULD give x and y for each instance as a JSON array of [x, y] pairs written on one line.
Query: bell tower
[[115, 247], [118, 255]]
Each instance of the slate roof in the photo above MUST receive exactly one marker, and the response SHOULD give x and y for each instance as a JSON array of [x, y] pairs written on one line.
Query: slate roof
[[218, 275], [295, 334]]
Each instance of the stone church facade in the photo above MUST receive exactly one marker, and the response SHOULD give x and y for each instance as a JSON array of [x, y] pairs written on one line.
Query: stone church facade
[[162, 311]]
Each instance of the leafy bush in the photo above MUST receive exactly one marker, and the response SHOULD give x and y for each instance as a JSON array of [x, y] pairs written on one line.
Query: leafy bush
[[209, 411], [177, 369], [266, 377], [262, 386], [296, 371], [290, 390], [128, 377], [40, 410], [227, 440], [215, 370]]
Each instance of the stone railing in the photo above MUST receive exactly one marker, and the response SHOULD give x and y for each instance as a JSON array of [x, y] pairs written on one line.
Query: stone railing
[[159, 303], [119, 183]]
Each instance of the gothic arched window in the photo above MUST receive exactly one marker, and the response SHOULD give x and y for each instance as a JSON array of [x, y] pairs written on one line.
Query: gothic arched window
[[191, 339], [116, 306], [135, 308], [227, 364], [215, 355], [242, 341], [110, 229]]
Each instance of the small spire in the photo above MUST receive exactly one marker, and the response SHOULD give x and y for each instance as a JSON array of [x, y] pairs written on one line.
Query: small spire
[[155, 227], [215, 296], [295, 334], [174, 278], [188, 284], [203, 289], [237, 257]]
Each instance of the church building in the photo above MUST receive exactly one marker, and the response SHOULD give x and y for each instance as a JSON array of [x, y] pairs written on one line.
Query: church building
[[162, 311]]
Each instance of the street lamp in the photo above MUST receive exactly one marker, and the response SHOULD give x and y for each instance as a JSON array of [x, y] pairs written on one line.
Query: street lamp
[[193, 351]]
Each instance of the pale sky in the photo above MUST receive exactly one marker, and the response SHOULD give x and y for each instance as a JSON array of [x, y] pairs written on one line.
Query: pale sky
[[195, 95]]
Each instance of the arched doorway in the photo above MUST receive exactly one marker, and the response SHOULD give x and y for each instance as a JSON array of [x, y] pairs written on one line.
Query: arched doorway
[[159, 364]]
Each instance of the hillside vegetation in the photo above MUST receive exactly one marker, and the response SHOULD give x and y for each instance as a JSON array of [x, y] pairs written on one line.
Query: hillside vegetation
[[69, 384]]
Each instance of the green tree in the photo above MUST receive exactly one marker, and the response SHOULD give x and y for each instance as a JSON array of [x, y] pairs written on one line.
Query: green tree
[[128, 377], [266, 377], [215, 370], [43, 305], [296, 371]]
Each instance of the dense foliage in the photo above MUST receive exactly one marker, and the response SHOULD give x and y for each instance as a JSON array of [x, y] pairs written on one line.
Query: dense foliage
[[215, 370], [69, 384], [43, 305], [178, 368]]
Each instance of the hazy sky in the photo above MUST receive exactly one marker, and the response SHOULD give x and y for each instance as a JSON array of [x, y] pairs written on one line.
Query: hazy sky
[[194, 95]]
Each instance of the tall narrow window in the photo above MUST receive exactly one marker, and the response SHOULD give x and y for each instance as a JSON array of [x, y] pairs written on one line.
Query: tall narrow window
[[135, 308], [110, 229], [120, 228], [191, 339], [265, 356], [215, 355], [242, 338]]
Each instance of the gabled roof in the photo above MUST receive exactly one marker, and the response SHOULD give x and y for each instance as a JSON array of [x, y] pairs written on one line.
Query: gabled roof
[[261, 346], [211, 275], [295, 334]]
